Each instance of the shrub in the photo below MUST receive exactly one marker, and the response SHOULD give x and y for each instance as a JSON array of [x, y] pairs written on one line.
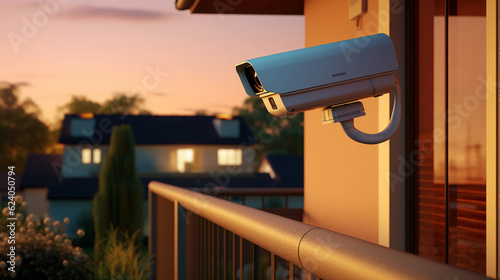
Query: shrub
[[84, 221], [43, 249], [122, 258]]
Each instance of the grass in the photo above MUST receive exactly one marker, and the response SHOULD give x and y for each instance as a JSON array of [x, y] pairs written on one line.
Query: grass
[[122, 258]]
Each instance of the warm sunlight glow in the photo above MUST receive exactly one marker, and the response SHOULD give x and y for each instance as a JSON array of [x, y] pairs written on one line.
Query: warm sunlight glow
[[97, 156], [185, 158], [229, 157], [86, 156], [224, 116], [87, 115]]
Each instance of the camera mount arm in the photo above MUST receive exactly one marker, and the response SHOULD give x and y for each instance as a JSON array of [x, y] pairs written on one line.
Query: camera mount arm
[[345, 114]]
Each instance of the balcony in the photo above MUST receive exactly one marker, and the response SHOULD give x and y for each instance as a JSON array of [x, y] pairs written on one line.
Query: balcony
[[199, 236]]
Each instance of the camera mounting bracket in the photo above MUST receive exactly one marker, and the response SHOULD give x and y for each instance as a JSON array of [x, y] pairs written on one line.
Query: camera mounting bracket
[[346, 113]]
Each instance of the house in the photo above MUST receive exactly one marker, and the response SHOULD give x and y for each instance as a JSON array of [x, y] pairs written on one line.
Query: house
[[164, 144], [432, 190], [38, 175], [201, 152], [287, 170]]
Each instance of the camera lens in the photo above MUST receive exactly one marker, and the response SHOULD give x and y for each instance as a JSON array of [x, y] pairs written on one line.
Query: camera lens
[[253, 79]]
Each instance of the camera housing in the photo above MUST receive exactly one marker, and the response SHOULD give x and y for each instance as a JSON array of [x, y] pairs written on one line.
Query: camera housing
[[321, 76]]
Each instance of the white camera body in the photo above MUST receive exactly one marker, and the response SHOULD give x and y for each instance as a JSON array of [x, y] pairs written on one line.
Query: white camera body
[[321, 76]]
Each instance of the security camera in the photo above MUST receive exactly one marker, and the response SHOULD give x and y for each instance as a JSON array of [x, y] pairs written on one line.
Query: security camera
[[326, 76]]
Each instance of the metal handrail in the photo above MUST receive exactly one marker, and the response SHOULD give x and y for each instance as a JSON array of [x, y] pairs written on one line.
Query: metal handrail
[[250, 191], [326, 254]]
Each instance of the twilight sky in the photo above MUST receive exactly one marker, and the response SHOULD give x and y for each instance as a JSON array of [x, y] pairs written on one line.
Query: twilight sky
[[180, 62]]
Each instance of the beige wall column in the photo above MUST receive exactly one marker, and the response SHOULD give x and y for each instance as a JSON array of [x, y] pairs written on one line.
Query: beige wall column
[[491, 138], [341, 176], [384, 152]]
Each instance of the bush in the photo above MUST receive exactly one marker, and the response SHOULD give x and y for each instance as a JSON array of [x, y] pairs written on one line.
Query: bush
[[43, 249], [122, 258], [85, 221]]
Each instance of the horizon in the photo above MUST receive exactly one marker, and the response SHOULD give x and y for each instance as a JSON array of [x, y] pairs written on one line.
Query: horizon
[[65, 48]]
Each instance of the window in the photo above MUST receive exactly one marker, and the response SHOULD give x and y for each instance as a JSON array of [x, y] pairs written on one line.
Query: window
[[185, 158], [86, 156], [450, 200], [89, 155], [229, 157], [96, 156]]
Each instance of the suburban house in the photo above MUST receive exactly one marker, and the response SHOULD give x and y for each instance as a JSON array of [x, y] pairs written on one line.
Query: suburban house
[[425, 201], [195, 152], [286, 170], [40, 173]]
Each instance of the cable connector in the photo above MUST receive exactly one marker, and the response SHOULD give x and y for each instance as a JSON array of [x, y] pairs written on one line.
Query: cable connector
[[344, 112]]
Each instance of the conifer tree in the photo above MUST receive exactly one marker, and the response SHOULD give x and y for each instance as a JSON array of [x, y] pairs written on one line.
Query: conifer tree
[[118, 202]]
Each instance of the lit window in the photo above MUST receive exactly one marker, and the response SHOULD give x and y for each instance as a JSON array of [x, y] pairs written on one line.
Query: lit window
[[86, 156], [229, 157], [185, 159], [96, 156]]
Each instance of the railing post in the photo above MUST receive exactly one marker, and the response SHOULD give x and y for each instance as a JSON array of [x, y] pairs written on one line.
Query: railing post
[[193, 247], [181, 239], [255, 262], [241, 257], [165, 248], [233, 272], [152, 232]]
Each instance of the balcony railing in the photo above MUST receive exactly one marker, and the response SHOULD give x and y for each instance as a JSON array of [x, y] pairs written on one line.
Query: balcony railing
[[286, 202], [198, 236]]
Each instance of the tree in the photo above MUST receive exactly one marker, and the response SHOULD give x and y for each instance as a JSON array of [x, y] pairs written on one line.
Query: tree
[[118, 202], [276, 135], [80, 104], [120, 103], [124, 105], [21, 130]]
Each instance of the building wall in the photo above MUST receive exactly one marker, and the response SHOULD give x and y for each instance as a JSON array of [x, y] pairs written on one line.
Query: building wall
[[151, 159], [341, 176], [36, 200], [208, 160]]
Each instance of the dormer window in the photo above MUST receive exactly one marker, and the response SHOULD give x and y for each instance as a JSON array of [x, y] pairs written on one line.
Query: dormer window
[[229, 157], [91, 156]]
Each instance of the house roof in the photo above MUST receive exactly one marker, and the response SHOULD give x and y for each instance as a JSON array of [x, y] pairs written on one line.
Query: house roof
[[41, 170], [150, 129], [86, 188], [289, 170]]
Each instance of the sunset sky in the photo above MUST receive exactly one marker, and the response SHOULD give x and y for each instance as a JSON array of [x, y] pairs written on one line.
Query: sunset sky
[[180, 62]]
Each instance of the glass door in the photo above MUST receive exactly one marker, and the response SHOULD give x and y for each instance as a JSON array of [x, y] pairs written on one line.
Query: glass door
[[450, 206]]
